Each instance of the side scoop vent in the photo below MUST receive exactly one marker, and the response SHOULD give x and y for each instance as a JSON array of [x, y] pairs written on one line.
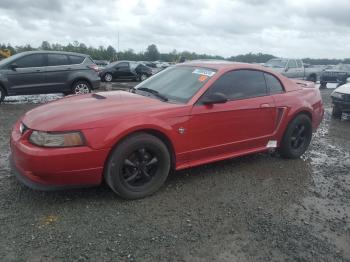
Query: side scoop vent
[[97, 96]]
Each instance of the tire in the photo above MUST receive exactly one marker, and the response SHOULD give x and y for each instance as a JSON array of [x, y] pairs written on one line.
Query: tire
[[297, 137], [312, 78], [108, 77], [81, 87], [2, 94], [336, 112], [142, 77], [138, 166], [323, 85]]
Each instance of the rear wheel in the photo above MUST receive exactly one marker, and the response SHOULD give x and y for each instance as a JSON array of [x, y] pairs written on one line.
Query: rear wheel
[[81, 87], [142, 77], [138, 166], [312, 78], [323, 85], [2, 94], [297, 137], [336, 112]]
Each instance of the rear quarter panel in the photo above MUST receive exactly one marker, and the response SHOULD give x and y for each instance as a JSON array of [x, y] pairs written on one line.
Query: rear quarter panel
[[303, 100]]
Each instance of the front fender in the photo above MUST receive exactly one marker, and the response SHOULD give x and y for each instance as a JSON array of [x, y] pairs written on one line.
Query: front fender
[[107, 137]]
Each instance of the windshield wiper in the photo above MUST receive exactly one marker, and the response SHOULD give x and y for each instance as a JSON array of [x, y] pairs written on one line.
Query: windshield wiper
[[153, 92]]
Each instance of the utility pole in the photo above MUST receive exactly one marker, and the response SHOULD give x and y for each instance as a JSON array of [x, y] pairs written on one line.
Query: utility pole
[[117, 45]]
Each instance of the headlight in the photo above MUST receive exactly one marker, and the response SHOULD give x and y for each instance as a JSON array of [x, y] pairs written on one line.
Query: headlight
[[55, 139], [337, 95]]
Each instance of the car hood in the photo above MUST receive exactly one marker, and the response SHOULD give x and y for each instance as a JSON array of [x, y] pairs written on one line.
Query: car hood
[[91, 111], [344, 89]]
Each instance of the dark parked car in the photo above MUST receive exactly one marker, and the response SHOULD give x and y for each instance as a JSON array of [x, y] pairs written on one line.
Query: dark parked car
[[101, 63], [42, 72], [125, 70], [338, 74]]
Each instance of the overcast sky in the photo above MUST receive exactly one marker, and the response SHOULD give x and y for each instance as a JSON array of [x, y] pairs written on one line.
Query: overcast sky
[[290, 28]]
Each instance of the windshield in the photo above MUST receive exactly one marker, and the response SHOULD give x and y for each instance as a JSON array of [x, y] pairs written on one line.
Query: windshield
[[279, 63], [178, 83], [9, 59]]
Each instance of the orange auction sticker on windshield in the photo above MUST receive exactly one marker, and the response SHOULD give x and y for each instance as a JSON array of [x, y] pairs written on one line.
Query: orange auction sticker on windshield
[[202, 78]]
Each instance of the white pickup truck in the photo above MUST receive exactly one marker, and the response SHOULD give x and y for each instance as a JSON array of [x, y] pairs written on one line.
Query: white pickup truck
[[294, 68]]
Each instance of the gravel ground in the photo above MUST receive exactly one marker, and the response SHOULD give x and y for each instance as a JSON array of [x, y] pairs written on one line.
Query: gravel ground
[[255, 208]]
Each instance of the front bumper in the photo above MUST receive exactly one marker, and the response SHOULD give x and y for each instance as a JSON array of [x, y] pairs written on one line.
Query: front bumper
[[55, 168], [344, 106]]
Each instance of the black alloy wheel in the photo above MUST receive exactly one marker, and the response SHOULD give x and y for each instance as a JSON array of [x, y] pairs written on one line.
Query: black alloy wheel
[[138, 166], [297, 137]]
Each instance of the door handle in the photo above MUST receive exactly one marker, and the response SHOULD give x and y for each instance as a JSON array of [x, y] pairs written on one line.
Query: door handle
[[266, 105], [38, 70]]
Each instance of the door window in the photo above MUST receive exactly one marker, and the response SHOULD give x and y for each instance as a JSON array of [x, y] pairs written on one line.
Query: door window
[[74, 59], [273, 84], [300, 64], [240, 84], [123, 65], [35, 60], [292, 64], [57, 59]]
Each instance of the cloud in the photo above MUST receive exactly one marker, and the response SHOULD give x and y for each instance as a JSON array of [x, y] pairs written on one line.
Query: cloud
[[298, 28]]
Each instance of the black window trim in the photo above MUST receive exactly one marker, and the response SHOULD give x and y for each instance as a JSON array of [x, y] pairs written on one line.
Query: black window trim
[[268, 87], [15, 62], [199, 101], [46, 60]]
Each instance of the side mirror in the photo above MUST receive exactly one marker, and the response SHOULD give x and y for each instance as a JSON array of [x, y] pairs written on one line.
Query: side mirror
[[13, 66], [215, 98], [286, 69]]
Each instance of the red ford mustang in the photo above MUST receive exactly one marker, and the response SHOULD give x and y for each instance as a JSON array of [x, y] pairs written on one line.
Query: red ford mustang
[[185, 116]]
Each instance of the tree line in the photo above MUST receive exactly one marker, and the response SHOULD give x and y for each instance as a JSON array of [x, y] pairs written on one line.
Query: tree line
[[152, 53]]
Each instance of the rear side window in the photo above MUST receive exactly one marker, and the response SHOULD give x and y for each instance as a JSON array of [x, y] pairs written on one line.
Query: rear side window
[[300, 64], [273, 84], [123, 64], [74, 59], [240, 84], [35, 60], [292, 64], [57, 60]]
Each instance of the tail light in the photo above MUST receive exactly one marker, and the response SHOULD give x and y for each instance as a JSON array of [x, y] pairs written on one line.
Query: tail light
[[94, 67]]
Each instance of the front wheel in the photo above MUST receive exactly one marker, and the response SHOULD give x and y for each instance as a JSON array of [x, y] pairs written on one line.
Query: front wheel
[[138, 166], [323, 85], [312, 78], [81, 87], [142, 77], [297, 137]]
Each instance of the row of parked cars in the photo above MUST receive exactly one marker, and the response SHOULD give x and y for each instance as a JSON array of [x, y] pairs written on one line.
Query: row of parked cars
[[295, 68], [41, 72], [340, 74]]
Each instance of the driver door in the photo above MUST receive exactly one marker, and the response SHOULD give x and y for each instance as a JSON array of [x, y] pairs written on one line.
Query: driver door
[[29, 75], [242, 124]]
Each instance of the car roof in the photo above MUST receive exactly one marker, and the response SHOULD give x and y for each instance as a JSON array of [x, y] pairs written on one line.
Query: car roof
[[52, 52]]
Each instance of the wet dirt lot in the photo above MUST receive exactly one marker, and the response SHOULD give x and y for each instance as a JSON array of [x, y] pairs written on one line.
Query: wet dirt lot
[[255, 208]]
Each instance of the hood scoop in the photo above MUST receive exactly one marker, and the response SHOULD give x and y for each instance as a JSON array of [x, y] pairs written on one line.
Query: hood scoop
[[97, 96]]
